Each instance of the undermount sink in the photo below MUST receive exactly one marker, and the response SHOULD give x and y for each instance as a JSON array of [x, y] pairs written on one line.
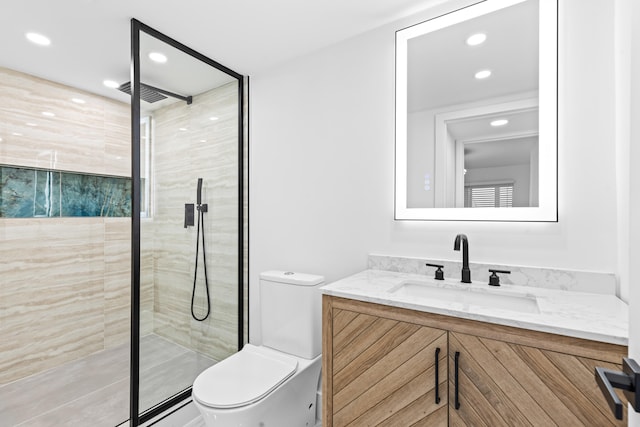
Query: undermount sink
[[466, 295]]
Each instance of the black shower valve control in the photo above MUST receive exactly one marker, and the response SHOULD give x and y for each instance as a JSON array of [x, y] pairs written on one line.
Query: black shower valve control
[[203, 207], [494, 279], [439, 273], [189, 218]]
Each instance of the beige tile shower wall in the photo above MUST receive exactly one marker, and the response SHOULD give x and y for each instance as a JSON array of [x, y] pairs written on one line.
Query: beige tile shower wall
[[93, 137], [209, 150], [117, 279], [117, 283], [64, 282], [146, 276], [64, 292], [51, 303]]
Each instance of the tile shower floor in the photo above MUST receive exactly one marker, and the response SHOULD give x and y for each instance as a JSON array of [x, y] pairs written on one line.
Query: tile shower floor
[[94, 391]]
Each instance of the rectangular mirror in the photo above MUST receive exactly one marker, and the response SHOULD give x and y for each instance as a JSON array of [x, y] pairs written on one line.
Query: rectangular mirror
[[476, 114]]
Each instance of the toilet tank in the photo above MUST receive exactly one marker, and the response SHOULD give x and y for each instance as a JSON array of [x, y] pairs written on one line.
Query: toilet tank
[[291, 312]]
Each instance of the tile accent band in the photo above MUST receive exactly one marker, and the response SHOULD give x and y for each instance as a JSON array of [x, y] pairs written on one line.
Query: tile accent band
[[45, 193]]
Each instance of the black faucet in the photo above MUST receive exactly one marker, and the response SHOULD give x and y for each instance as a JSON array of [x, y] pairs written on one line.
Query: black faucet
[[466, 273]]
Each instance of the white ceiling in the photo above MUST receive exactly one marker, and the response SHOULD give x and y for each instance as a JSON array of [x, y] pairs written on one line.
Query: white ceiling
[[90, 38]]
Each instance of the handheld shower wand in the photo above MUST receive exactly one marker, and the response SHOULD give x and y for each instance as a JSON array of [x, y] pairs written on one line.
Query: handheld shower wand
[[202, 208]]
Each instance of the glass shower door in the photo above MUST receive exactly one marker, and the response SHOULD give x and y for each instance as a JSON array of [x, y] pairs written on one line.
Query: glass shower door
[[189, 280]]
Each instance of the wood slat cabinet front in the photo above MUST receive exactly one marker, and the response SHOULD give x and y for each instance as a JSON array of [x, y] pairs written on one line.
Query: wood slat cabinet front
[[506, 384], [384, 372], [379, 369]]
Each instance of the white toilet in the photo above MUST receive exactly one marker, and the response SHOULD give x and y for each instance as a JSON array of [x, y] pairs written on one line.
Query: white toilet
[[275, 384]]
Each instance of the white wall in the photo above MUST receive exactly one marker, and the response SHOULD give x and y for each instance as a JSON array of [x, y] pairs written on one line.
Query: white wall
[[322, 154], [627, 137], [634, 289]]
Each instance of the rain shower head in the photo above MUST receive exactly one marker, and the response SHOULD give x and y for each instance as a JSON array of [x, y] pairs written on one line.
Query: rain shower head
[[153, 94], [146, 93]]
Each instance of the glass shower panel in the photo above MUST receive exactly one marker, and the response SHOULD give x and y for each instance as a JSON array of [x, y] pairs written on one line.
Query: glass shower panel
[[189, 262]]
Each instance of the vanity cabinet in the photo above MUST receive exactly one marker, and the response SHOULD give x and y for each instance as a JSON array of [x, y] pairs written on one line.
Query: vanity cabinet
[[380, 364], [385, 370]]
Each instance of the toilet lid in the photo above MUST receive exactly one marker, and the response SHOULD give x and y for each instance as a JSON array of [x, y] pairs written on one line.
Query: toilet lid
[[243, 378]]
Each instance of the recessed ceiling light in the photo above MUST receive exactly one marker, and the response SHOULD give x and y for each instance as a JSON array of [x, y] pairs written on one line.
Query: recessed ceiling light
[[38, 39], [476, 39], [111, 84], [203, 140], [78, 100], [483, 74], [48, 114], [31, 124], [213, 118], [183, 129], [158, 57], [499, 122]]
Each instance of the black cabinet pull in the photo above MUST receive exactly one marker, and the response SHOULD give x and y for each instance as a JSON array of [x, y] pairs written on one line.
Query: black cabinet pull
[[607, 380], [627, 380], [455, 380], [437, 375]]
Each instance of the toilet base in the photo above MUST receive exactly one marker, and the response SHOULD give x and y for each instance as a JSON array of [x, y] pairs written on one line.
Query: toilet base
[[292, 404]]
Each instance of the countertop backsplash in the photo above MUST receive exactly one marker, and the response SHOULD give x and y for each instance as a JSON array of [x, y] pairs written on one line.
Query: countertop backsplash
[[550, 278]]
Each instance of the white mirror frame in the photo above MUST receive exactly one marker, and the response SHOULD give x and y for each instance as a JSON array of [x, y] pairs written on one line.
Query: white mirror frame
[[547, 211]]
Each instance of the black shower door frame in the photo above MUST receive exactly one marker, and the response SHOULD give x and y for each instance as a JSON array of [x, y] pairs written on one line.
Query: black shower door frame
[[136, 27]]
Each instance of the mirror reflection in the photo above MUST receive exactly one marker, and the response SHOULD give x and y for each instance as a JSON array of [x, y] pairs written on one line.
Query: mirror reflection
[[494, 153], [475, 121]]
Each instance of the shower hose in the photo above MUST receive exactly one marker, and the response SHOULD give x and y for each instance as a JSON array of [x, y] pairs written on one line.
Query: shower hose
[[201, 212]]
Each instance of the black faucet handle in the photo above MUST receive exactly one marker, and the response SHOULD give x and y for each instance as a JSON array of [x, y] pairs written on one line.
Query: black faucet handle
[[439, 273], [494, 279]]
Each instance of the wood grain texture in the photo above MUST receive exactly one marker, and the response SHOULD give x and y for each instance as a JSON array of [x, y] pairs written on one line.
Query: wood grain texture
[[508, 376], [505, 384], [384, 374], [580, 347], [327, 360]]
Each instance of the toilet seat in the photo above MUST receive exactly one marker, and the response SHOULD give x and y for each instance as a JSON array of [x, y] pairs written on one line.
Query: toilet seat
[[243, 378]]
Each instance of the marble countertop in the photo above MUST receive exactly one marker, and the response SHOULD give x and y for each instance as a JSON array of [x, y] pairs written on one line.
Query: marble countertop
[[585, 315]]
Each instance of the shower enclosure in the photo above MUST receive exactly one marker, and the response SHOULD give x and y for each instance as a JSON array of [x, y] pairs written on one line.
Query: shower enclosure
[[105, 313], [188, 239]]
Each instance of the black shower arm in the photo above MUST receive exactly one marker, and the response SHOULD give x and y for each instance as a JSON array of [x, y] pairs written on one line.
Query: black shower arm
[[188, 99]]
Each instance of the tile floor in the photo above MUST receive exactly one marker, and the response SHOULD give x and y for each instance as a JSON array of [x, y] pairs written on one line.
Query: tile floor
[[182, 415], [94, 391], [186, 416]]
